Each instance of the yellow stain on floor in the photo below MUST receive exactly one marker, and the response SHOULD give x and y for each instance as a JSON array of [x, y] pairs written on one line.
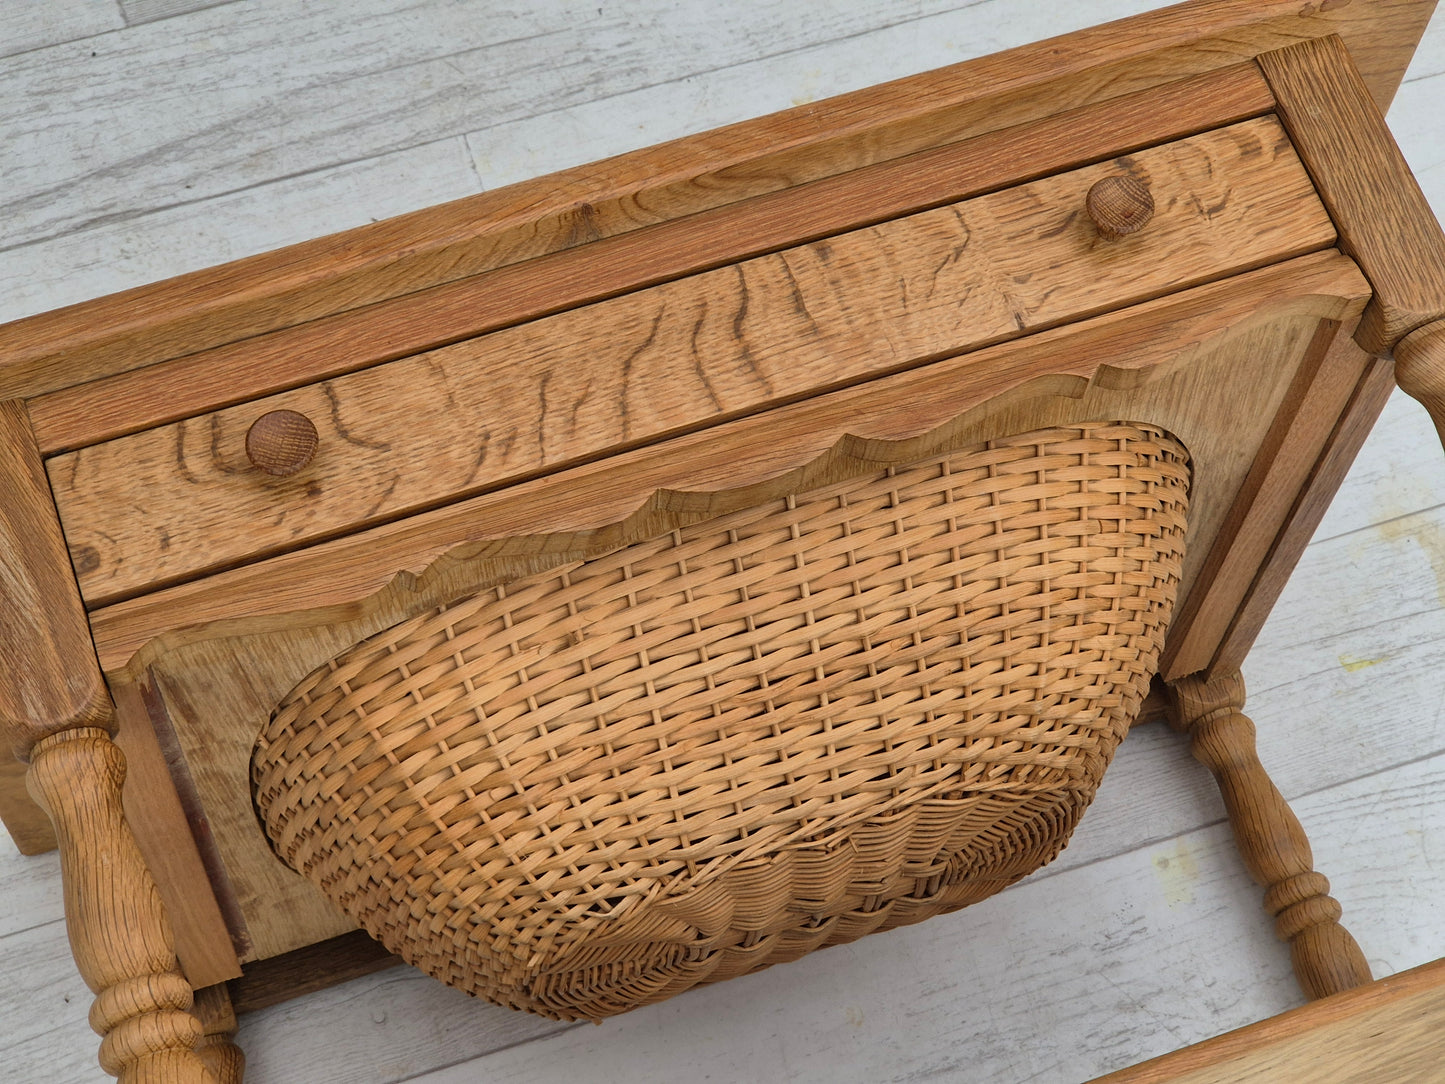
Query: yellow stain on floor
[[1352, 664], [1176, 871]]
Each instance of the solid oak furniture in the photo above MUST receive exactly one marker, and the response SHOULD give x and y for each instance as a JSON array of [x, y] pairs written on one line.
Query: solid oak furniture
[[1194, 221]]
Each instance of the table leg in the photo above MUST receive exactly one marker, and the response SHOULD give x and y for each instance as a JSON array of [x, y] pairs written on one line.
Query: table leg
[[1420, 369], [118, 928], [1271, 841], [218, 1030], [56, 714]]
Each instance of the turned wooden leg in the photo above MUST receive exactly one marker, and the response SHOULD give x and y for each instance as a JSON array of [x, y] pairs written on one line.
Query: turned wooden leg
[[1272, 842], [1420, 370], [55, 713], [118, 928], [218, 1030]]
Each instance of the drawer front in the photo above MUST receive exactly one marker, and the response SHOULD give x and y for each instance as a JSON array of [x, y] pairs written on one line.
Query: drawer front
[[182, 500]]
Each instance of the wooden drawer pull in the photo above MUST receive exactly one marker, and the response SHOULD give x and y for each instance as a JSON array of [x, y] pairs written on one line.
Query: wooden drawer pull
[[1119, 206], [281, 442]]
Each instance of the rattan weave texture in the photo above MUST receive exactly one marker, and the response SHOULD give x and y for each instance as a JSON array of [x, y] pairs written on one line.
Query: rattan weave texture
[[715, 750]]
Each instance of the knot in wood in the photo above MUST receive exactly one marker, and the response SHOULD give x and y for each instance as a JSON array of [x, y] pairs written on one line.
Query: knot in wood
[[281, 442], [1119, 206]]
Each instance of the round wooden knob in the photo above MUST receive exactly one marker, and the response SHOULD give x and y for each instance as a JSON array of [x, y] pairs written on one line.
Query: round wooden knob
[[1119, 206], [281, 442]]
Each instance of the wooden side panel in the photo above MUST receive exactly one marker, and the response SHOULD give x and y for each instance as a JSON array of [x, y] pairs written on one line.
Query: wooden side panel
[[203, 940], [1385, 1033], [48, 681], [250, 297], [1322, 390], [426, 319], [179, 501], [1309, 508], [1384, 220]]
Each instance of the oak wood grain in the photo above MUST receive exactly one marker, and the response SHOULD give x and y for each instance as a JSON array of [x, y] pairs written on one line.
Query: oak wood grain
[[217, 1046], [1384, 220], [49, 681], [1345, 440], [103, 409], [585, 507], [158, 507], [1135, 1029], [1387, 1032], [306, 970], [1271, 840], [1119, 205], [202, 937], [1191, 364], [117, 924], [1420, 370], [1319, 395], [423, 249]]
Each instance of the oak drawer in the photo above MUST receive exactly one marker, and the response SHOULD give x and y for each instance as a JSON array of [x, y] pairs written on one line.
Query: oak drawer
[[181, 500]]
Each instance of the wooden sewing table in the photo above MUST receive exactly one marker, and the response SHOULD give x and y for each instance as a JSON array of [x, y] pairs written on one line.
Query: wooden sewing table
[[518, 379]]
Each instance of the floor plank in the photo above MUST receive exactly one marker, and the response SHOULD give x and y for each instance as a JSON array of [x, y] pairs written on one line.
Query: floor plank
[[30, 889], [386, 1027], [546, 141], [1055, 980], [1377, 489], [344, 83], [44, 1007], [35, 24], [147, 11], [113, 256]]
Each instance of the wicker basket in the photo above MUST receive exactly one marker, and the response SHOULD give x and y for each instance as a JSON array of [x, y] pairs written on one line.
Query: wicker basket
[[715, 750]]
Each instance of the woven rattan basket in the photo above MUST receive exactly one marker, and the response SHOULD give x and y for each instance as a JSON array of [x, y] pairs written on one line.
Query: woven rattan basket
[[718, 749]]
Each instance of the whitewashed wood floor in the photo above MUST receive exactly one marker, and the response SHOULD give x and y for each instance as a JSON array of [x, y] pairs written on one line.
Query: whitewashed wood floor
[[143, 138]]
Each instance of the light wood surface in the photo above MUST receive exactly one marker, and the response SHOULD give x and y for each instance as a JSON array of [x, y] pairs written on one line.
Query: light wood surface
[[49, 682], [1180, 362], [1329, 471], [442, 244], [1271, 840], [1384, 220], [27, 824], [1355, 628], [165, 505], [33, 26], [55, 713], [1384, 1033], [443, 554], [331, 346], [1420, 370], [217, 1047], [118, 930], [1316, 399], [167, 841]]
